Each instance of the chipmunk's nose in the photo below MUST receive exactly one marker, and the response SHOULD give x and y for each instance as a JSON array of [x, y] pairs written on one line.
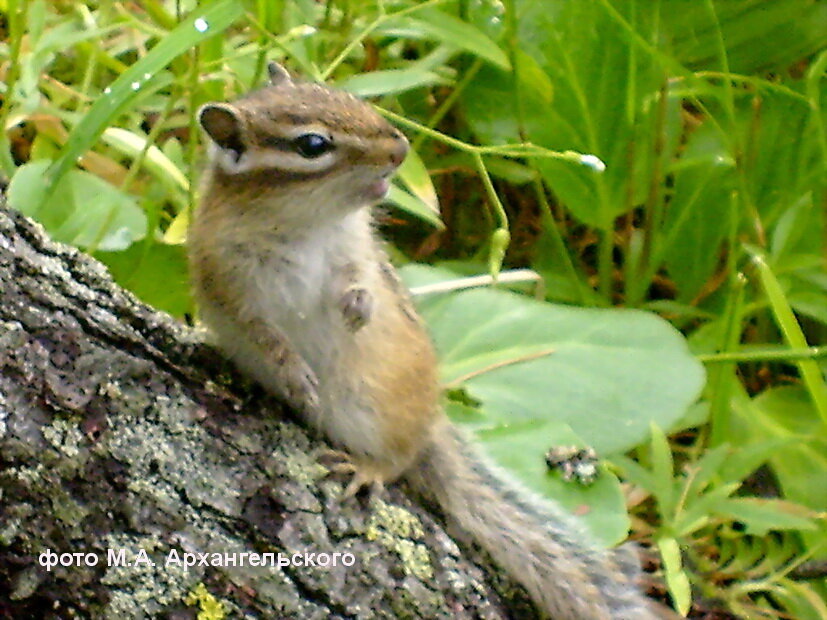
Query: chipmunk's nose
[[399, 148]]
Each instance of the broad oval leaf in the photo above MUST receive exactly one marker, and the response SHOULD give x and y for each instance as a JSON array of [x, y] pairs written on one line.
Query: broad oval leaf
[[526, 376], [600, 506], [155, 272], [607, 373], [83, 210]]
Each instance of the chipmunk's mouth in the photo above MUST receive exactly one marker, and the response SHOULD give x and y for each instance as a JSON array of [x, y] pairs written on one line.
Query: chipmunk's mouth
[[380, 186], [379, 189]]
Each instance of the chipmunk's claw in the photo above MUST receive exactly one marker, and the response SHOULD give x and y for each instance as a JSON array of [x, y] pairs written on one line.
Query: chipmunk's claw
[[363, 476], [336, 462], [361, 480]]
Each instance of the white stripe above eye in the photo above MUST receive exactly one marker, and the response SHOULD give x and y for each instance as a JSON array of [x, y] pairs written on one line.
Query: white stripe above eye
[[271, 159], [294, 132]]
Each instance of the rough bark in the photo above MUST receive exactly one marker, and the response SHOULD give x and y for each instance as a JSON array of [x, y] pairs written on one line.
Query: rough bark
[[121, 430]]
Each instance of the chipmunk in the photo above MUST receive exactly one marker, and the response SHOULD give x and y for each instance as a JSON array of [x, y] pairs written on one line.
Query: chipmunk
[[295, 285]]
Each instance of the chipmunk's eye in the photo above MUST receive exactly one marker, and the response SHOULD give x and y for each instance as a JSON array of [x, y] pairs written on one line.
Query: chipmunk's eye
[[312, 145]]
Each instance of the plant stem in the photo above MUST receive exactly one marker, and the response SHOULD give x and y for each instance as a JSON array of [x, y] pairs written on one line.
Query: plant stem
[[550, 226], [605, 262], [449, 102], [653, 210], [765, 355], [722, 377]]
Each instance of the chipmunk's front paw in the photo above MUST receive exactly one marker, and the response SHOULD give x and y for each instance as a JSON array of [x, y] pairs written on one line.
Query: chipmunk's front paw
[[356, 306], [362, 476]]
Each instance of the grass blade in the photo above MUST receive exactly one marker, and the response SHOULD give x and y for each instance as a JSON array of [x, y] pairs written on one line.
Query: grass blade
[[201, 24], [787, 323]]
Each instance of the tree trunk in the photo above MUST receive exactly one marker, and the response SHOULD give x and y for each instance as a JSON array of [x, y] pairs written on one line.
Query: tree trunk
[[141, 477]]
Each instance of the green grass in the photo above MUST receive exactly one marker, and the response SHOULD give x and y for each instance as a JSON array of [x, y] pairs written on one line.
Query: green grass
[[663, 156]]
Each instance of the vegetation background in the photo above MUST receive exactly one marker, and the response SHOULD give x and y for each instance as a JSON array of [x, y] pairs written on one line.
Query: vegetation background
[[647, 179]]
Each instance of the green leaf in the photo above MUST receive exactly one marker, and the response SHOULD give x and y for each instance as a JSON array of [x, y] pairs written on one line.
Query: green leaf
[[591, 369], [176, 233], [199, 25], [604, 103], [414, 206], [810, 303], [446, 28], [634, 472], [547, 375], [532, 77], [83, 210], [388, 82], [676, 578], [802, 601], [788, 324], [792, 229], [414, 175], [801, 464], [706, 468], [42, 46], [703, 177], [745, 460], [133, 144], [600, 506], [508, 169], [662, 471], [783, 30], [699, 509], [761, 515], [155, 272], [786, 163]]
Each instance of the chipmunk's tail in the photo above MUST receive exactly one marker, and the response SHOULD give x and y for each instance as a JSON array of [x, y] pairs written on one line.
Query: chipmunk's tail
[[543, 548]]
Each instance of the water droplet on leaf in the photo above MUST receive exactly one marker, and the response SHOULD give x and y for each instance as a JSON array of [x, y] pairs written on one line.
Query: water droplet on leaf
[[593, 162]]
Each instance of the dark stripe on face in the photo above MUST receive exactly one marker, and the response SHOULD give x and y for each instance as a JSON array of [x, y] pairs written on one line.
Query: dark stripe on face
[[271, 177], [278, 143]]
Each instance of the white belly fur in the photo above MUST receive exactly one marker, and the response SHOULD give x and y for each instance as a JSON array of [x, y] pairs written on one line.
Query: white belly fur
[[296, 290]]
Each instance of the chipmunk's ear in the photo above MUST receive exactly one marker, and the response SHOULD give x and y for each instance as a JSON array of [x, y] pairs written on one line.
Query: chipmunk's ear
[[278, 74], [222, 123]]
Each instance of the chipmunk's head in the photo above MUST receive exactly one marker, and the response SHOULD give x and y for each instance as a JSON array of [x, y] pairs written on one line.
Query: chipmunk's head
[[306, 139]]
